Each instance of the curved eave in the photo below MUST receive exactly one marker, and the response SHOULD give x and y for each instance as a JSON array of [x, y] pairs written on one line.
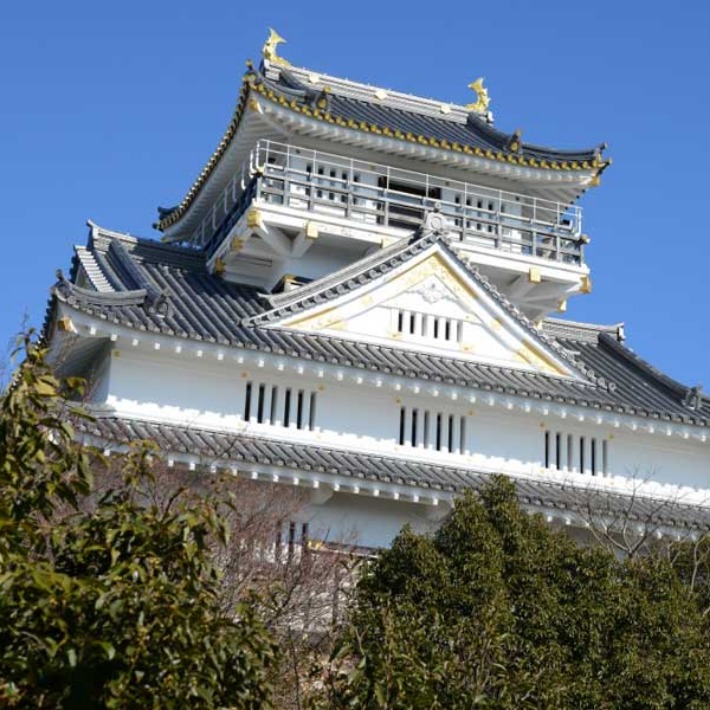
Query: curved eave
[[580, 174], [211, 164], [326, 126]]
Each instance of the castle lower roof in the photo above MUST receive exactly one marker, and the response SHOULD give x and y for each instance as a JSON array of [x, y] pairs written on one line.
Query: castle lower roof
[[168, 290], [252, 453]]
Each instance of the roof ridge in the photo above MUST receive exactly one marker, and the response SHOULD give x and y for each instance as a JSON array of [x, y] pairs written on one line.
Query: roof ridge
[[66, 291], [100, 240], [672, 385], [523, 320], [350, 271], [583, 331]]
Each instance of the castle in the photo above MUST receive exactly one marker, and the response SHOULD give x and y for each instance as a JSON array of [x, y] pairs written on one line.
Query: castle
[[355, 297]]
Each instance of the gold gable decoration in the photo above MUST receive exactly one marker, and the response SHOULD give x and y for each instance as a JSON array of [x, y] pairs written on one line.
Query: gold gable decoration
[[495, 343], [483, 100], [269, 49]]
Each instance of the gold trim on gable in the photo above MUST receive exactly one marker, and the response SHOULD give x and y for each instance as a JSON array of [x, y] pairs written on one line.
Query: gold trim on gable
[[336, 317]]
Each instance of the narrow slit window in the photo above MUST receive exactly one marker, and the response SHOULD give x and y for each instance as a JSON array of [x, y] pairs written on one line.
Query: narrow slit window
[[402, 417], [279, 540], [291, 540], [582, 454], [274, 404], [415, 414], [411, 323], [451, 433], [260, 404], [312, 412], [447, 329], [593, 453], [547, 449], [287, 407], [558, 451], [462, 435], [570, 453], [425, 434], [247, 403], [438, 432], [605, 457], [299, 410], [400, 321]]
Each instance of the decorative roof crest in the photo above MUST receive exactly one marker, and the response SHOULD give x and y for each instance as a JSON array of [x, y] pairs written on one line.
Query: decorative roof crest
[[269, 49], [482, 99]]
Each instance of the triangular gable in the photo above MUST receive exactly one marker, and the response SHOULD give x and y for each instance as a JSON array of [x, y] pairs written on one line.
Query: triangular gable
[[428, 301]]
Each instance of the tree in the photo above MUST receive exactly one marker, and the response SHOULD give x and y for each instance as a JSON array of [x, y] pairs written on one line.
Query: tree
[[498, 610], [109, 601]]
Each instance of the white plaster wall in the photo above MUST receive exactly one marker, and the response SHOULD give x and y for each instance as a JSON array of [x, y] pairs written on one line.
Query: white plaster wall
[[671, 460], [191, 391], [356, 415], [365, 521], [179, 391]]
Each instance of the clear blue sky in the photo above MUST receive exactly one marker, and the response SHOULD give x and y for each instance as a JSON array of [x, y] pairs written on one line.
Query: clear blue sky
[[109, 109]]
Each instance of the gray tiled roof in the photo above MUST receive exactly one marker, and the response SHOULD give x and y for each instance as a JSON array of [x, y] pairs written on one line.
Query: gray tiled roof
[[476, 132], [183, 299], [228, 449]]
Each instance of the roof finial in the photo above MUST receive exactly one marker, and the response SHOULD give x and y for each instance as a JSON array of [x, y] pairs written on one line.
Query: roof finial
[[483, 100], [269, 49]]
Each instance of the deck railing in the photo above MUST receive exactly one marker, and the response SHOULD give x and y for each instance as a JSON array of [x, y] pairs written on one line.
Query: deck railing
[[380, 195]]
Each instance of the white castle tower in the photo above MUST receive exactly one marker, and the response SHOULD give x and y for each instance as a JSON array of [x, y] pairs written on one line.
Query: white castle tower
[[354, 297]]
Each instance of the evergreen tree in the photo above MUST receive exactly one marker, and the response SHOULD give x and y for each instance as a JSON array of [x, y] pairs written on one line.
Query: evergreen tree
[[498, 610], [108, 602]]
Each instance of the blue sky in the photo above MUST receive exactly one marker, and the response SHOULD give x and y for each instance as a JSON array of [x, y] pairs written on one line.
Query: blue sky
[[110, 109]]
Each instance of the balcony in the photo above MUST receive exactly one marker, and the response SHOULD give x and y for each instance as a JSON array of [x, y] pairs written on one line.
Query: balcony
[[386, 198]]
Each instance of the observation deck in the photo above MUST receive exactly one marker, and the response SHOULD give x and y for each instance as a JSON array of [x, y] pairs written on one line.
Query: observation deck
[[288, 196]]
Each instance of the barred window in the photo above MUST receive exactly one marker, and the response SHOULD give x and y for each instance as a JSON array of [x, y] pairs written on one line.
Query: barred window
[[280, 406], [439, 431], [576, 453]]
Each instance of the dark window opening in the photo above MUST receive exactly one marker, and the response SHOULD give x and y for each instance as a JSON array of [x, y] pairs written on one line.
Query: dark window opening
[[404, 215], [299, 410], [247, 403], [312, 412], [260, 405], [287, 407]]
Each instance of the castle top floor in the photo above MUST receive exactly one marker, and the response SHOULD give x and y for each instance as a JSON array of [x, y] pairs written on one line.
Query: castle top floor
[[357, 167]]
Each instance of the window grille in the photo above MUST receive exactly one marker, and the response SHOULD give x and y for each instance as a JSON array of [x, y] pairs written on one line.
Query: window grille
[[278, 406], [437, 431], [576, 453], [426, 325]]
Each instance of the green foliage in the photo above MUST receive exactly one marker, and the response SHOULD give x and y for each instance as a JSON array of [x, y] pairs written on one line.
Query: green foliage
[[498, 610], [108, 602]]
